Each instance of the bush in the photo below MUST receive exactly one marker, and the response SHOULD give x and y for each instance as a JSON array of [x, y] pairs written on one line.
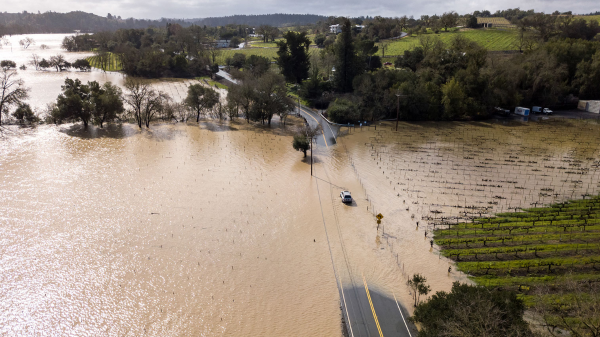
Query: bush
[[8, 64], [24, 112], [472, 311], [343, 111]]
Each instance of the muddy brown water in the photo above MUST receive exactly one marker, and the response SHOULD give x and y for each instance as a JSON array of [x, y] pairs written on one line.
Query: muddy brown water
[[219, 228]]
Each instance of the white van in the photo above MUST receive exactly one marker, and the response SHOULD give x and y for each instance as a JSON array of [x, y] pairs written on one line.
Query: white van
[[521, 111], [538, 109]]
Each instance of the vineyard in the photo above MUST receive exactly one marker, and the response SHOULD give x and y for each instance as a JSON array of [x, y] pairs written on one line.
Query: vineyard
[[525, 250], [109, 62], [496, 22]]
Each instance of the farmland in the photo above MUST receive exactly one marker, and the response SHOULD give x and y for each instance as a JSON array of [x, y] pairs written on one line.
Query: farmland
[[526, 250], [270, 53], [112, 64], [589, 18], [491, 39]]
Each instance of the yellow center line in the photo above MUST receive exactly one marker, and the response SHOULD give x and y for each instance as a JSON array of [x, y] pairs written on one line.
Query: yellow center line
[[372, 308], [313, 117]]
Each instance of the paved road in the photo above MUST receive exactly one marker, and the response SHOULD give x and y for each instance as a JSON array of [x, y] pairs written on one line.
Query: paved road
[[225, 75], [329, 134]]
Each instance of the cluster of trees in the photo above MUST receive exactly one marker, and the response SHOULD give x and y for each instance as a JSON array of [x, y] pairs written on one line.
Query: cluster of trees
[[59, 63], [455, 80], [259, 96], [255, 64], [472, 311], [12, 93]]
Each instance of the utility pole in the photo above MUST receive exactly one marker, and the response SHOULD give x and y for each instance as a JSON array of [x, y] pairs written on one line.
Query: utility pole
[[311, 156], [398, 108]]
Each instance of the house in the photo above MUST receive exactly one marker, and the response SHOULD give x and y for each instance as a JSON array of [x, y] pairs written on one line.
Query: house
[[335, 29]]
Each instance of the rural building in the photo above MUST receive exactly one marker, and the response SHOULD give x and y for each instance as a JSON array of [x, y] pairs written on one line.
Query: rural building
[[589, 106], [222, 43], [335, 29]]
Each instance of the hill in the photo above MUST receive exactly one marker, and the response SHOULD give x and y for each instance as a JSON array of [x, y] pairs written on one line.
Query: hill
[[52, 22], [277, 20]]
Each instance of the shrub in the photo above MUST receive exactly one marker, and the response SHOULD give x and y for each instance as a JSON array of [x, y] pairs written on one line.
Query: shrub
[[343, 111]]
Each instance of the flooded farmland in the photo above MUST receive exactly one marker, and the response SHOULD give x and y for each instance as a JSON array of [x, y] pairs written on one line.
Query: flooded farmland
[[219, 228]]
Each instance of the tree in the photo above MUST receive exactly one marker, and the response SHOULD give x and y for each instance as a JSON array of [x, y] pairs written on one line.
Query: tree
[[578, 316], [587, 78], [270, 98], [418, 287], [74, 102], [347, 64], [472, 311], [24, 112], [8, 64], [454, 99], [343, 111], [143, 100], [35, 61], [26, 42], [200, 98], [82, 65], [293, 56], [107, 102], [12, 90], [257, 65], [301, 143], [449, 19], [59, 62]]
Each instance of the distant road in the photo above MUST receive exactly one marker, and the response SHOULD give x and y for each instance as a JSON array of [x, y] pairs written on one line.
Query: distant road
[[328, 138]]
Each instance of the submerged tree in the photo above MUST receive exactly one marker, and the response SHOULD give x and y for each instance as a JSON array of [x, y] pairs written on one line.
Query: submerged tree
[[418, 286], [107, 102], [12, 90], [200, 98], [143, 100]]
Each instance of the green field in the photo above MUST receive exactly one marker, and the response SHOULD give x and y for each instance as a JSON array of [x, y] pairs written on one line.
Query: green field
[[270, 53], [113, 62], [525, 250], [491, 39], [588, 18]]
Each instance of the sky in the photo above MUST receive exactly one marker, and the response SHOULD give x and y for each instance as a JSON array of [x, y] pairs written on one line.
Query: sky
[[187, 9]]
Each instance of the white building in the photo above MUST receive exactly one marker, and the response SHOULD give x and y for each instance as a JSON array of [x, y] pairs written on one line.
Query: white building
[[335, 29], [589, 106]]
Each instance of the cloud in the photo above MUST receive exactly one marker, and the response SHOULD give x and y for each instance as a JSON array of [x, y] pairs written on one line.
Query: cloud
[[155, 9]]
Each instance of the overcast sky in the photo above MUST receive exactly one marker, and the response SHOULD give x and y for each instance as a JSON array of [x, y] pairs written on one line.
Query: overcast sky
[[155, 9]]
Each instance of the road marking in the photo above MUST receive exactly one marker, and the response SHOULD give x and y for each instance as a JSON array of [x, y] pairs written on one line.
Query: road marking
[[372, 308], [313, 117], [398, 305]]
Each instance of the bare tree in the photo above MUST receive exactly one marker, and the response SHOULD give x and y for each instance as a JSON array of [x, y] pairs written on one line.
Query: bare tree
[[26, 42], [143, 100], [35, 61], [12, 90]]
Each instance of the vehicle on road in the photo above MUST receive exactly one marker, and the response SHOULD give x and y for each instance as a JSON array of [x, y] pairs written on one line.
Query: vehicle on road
[[538, 109], [346, 197], [521, 111], [502, 111]]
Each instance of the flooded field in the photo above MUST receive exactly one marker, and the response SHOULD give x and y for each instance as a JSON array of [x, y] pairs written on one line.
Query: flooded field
[[177, 231], [434, 173], [219, 228], [46, 85]]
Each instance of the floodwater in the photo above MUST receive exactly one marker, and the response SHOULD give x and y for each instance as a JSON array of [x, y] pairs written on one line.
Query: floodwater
[[177, 231], [45, 85], [219, 228]]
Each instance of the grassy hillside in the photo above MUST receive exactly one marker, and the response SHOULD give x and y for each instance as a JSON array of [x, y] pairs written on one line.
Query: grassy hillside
[[271, 53], [491, 39], [589, 18], [525, 250]]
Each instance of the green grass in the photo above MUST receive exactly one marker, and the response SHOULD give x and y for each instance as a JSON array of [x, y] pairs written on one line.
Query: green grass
[[212, 83], [269, 53], [491, 39], [589, 18], [525, 250], [113, 63]]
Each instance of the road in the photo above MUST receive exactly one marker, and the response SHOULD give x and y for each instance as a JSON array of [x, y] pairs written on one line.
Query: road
[[329, 134], [368, 313]]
